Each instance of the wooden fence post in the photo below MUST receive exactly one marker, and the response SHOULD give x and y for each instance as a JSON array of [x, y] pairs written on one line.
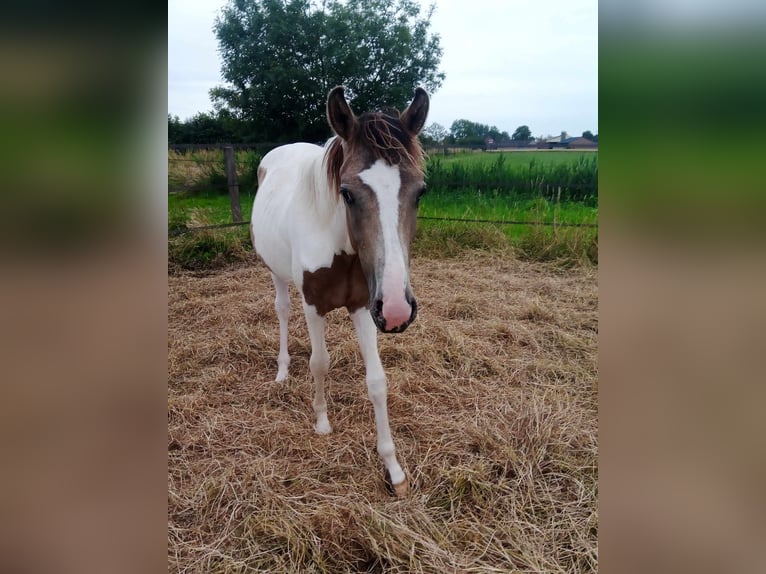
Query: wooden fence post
[[231, 177]]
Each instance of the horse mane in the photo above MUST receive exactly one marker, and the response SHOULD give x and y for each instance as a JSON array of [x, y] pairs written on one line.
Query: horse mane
[[333, 162], [382, 134]]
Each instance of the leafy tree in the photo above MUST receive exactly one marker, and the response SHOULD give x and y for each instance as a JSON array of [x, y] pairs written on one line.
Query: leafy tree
[[434, 133], [205, 128], [588, 135], [282, 57], [466, 132], [522, 134], [175, 129], [498, 136]]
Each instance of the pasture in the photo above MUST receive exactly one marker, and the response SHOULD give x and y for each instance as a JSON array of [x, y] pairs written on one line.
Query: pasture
[[520, 157], [493, 406], [495, 186]]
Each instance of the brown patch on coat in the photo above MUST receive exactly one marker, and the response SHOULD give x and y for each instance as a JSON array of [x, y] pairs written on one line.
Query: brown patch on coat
[[261, 174], [342, 284]]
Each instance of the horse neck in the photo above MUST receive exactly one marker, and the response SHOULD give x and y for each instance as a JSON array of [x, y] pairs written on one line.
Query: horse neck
[[328, 209]]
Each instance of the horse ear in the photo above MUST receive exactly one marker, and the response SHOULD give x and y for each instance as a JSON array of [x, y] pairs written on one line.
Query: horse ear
[[339, 114], [414, 117]]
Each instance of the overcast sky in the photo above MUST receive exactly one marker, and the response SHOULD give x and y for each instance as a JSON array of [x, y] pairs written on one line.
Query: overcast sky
[[507, 62]]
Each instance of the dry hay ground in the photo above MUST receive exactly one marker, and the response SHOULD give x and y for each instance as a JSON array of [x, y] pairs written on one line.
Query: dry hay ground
[[492, 398]]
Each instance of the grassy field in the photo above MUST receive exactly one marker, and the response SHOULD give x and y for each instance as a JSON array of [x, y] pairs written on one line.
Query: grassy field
[[516, 158], [213, 207], [492, 401], [493, 408], [497, 192], [555, 176]]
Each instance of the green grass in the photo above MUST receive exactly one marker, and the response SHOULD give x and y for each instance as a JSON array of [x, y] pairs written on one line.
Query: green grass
[[568, 176], [514, 158], [569, 245], [210, 249], [210, 206], [498, 206], [498, 189]]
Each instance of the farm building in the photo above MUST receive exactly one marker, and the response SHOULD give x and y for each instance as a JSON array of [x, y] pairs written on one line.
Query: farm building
[[580, 143], [490, 143], [566, 142]]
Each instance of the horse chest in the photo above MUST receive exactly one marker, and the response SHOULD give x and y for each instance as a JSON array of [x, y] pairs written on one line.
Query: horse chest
[[342, 284]]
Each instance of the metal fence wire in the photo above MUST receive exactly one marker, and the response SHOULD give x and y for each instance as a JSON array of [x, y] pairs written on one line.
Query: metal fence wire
[[233, 188], [182, 230]]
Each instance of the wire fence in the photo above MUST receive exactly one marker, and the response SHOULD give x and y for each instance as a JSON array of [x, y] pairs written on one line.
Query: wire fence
[[232, 185], [444, 182], [442, 186], [183, 230]]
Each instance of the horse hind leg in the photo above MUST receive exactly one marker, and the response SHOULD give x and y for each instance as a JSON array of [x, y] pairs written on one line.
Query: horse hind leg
[[319, 365], [282, 306]]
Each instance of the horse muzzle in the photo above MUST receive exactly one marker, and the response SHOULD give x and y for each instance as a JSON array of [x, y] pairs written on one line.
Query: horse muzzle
[[394, 316]]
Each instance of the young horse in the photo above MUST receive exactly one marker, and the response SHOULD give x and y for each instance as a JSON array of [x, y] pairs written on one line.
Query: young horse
[[338, 222]]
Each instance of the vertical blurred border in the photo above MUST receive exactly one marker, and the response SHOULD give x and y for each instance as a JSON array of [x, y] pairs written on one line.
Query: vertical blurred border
[[682, 399], [83, 293]]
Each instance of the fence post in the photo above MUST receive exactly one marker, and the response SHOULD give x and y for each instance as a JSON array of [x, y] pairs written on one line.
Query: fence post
[[231, 177]]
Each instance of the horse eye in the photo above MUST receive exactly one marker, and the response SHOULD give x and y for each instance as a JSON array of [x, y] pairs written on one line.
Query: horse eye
[[421, 193], [347, 197]]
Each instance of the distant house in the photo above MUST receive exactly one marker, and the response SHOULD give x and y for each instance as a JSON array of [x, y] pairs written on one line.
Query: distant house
[[554, 142], [580, 143], [491, 143], [563, 141], [515, 144]]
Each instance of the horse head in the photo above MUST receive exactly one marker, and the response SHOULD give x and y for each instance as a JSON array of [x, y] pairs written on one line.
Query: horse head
[[377, 168]]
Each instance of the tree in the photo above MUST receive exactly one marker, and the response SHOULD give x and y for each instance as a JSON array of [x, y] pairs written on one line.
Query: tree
[[207, 128], [498, 136], [434, 134], [282, 57], [588, 135], [175, 129], [466, 132], [522, 134]]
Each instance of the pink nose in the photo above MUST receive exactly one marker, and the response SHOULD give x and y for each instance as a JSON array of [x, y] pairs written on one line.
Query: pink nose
[[394, 316], [396, 313]]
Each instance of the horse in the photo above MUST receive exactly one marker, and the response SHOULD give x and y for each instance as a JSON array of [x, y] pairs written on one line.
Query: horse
[[337, 221]]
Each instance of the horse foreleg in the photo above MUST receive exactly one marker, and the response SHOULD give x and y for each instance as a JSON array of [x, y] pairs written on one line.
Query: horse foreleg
[[282, 305], [378, 393], [319, 365]]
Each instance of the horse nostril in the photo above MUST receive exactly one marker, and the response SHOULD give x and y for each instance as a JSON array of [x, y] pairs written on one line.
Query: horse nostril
[[377, 314]]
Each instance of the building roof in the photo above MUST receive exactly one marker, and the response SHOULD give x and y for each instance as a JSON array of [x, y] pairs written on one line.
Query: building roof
[[579, 141]]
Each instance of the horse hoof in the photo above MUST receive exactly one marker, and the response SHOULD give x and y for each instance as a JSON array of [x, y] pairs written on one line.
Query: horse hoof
[[402, 489], [398, 490], [322, 428]]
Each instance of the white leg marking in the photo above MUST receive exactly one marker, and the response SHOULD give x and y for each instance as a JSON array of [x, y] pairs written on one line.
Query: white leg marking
[[282, 305], [376, 389], [319, 365]]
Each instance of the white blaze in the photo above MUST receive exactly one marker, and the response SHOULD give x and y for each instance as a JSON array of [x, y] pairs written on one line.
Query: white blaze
[[385, 181]]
